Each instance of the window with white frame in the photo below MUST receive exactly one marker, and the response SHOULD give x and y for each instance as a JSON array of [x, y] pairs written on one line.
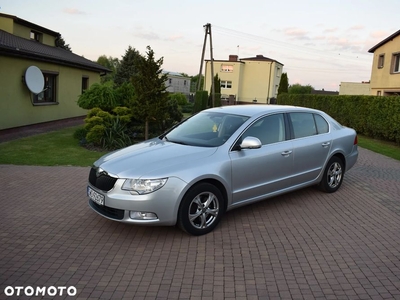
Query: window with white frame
[[226, 84], [34, 35], [226, 68]]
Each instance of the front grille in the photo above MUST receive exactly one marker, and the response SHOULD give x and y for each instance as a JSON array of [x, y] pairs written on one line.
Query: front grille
[[113, 213], [103, 182]]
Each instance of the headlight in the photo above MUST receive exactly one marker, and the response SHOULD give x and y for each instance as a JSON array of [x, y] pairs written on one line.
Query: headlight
[[143, 186]]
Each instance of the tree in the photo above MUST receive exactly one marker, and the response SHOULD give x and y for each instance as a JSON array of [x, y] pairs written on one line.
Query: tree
[[101, 96], [110, 63], [150, 91], [60, 43], [194, 80], [127, 67], [179, 98], [283, 84], [297, 88], [217, 90]]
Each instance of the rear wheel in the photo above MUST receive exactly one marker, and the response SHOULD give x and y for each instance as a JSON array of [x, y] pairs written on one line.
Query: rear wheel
[[333, 175], [201, 209]]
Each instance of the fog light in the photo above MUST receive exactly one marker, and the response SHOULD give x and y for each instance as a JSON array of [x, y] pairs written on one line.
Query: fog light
[[140, 215]]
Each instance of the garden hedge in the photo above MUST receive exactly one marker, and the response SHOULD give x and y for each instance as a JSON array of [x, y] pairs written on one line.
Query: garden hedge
[[373, 116]]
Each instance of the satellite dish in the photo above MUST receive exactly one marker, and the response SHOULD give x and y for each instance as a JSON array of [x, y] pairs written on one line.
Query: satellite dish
[[34, 79]]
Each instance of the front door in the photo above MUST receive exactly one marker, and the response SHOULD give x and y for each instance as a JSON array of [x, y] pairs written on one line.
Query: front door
[[264, 171]]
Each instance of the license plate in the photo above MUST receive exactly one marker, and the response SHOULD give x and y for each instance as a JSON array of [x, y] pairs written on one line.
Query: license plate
[[95, 196]]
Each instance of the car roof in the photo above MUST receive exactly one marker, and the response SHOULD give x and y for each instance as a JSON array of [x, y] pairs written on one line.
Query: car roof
[[256, 109]]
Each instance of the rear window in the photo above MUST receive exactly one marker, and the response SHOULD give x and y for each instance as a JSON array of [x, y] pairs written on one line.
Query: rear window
[[322, 125]]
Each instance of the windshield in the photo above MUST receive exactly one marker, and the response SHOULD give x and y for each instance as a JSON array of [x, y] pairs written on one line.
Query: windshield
[[206, 129]]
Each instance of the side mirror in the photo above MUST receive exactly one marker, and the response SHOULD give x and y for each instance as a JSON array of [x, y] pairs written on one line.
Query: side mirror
[[250, 142]]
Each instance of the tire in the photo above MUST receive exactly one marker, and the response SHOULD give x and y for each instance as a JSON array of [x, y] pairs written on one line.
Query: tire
[[201, 209], [333, 175]]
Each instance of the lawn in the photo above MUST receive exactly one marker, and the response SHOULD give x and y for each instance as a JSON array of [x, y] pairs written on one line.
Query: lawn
[[59, 148], [385, 148]]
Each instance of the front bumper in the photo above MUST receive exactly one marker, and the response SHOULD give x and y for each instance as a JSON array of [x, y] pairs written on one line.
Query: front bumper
[[164, 203]]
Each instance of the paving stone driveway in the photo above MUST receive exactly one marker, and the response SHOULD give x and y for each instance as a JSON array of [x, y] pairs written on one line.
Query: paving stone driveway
[[303, 245]]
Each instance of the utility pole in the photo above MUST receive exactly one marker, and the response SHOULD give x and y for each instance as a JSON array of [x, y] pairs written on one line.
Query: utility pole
[[207, 32]]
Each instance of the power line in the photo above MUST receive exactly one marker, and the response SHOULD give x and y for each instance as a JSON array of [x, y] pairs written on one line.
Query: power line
[[343, 56]]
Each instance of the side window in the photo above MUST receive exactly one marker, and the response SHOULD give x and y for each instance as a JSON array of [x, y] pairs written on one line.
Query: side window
[[303, 124], [268, 130], [322, 125], [48, 95]]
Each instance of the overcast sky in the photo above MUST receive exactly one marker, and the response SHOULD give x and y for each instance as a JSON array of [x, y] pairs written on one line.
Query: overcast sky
[[319, 42]]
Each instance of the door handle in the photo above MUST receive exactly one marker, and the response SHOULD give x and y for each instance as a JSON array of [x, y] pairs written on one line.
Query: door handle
[[286, 153], [326, 144]]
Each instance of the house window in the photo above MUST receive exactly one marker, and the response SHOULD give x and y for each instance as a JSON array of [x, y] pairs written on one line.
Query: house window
[[396, 63], [35, 36], [184, 82], [226, 84], [170, 80], [48, 95], [278, 72], [378, 93], [85, 83], [226, 68], [381, 61]]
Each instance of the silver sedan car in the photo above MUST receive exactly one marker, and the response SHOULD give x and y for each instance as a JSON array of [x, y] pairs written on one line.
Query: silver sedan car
[[220, 159]]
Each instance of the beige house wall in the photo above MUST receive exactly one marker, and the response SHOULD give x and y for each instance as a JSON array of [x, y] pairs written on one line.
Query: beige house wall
[[253, 81], [233, 76], [354, 88], [383, 80], [16, 100]]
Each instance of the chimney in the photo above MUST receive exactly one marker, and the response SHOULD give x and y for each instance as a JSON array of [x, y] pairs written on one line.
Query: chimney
[[260, 56], [233, 58]]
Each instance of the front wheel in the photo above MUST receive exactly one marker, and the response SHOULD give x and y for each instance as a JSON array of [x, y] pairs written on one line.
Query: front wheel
[[333, 175], [201, 209]]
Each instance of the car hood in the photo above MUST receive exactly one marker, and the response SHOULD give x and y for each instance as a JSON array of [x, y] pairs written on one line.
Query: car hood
[[144, 158]]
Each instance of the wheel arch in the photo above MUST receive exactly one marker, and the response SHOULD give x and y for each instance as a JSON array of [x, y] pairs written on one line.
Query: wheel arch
[[341, 157], [218, 184]]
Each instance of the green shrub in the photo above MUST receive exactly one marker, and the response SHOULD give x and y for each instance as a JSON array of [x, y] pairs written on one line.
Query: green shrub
[[116, 136], [80, 135], [96, 134], [93, 112], [200, 101], [188, 108], [93, 121], [179, 97], [107, 130], [217, 100], [106, 117], [122, 111], [102, 96]]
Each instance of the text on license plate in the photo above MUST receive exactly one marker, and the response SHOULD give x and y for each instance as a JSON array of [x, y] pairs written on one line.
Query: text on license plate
[[95, 196]]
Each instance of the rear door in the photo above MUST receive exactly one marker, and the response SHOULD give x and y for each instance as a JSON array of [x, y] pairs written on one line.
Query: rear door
[[258, 172], [311, 145]]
